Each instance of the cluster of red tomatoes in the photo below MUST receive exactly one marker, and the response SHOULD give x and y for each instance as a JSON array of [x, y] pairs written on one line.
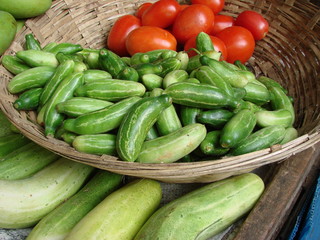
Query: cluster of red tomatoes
[[166, 24]]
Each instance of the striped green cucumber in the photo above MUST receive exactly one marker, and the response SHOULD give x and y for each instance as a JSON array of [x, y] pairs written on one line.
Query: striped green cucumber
[[168, 121], [204, 212], [136, 124], [188, 115], [260, 139], [62, 71], [200, 95], [128, 73], [101, 121], [146, 68], [111, 62], [25, 161], [132, 204], [31, 42], [211, 144], [183, 57], [67, 136], [33, 77], [64, 91], [174, 76], [98, 144], [290, 134], [168, 65], [173, 146], [151, 56], [28, 200], [203, 42], [151, 81], [280, 117], [13, 64], [269, 82], [256, 94], [95, 74], [279, 100], [66, 48], [77, 106], [58, 223], [239, 127], [216, 117], [49, 46], [5, 126], [28, 100], [110, 89], [11, 142], [194, 61], [248, 105], [206, 74], [38, 58]]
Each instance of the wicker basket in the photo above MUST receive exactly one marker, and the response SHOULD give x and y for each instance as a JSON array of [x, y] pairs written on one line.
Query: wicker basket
[[289, 54]]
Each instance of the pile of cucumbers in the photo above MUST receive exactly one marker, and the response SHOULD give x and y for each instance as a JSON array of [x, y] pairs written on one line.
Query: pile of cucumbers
[[154, 107]]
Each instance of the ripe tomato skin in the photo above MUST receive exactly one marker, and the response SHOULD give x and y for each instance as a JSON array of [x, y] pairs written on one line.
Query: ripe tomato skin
[[147, 38], [116, 41], [254, 22], [161, 13], [192, 20], [221, 22], [215, 5], [239, 42], [142, 8], [218, 44]]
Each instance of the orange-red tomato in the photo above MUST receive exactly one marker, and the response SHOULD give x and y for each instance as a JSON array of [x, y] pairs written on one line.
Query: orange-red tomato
[[218, 45], [142, 8], [116, 41], [221, 22], [215, 5], [161, 14], [147, 38], [191, 21], [239, 42]]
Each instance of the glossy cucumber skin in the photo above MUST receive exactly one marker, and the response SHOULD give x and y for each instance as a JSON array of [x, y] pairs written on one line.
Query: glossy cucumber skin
[[290, 134], [58, 223], [110, 89], [136, 124], [260, 139], [173, 146], [151, 81], [132, 204], [151, 56], [203, 42], [188, 115], [110, 62], [239, 127], [280, 117], [13, 64], [31, 42], [28, 100], [11, 142], [66, 48], [256, 93], [174, 76], [215, 117], [211, 144], [38, 58], [95, 74], [204, 212], [269, 82], [77, 106], [33, 77], [128, 73], [98, 144], [101, 121], [25, 161], [200, 96]]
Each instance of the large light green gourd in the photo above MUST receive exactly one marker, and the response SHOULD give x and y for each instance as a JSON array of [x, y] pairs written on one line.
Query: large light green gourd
[[7, 30], [25, 8]]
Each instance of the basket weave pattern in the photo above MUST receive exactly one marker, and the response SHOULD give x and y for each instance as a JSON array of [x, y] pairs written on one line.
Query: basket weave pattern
[[289, 54]]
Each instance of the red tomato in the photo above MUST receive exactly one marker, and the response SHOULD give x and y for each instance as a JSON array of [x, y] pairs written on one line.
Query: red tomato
[[215, 5], [218, 44], [142, 8], [116, 41], [192, 20], [183, 6], [147, 38], [161, 14], [221, 22], [254, 22], [239, 42]]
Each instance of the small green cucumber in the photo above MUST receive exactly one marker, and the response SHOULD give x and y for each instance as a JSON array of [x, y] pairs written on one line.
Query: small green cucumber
[[204, 212], [239, 127], [268, 82], [280, 117], [174, 76], [290, 134], [256, 94], [188, 115], [68, 137], [137, 123], [203, 42], [260, 139], [95, 74], [132, 204], [183, 57], [152, 133], [29, 200], [168, 65], [151, 81], [98, 144], [211, 144], [11, 142], [239, 93], [58, 223], [216, 118], [31, 42], [146, 68], [151, 56], [111, 62], [200, 95], [128, 73], [77, 106], [66, 48], [80, 66], [25, 161], [110, 89], [49, 46], [38, 58], [173, 146], [100, 121], [194, 61], [248, 105], [240, 65], [13, 64], [31, 78], [28, 100]]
